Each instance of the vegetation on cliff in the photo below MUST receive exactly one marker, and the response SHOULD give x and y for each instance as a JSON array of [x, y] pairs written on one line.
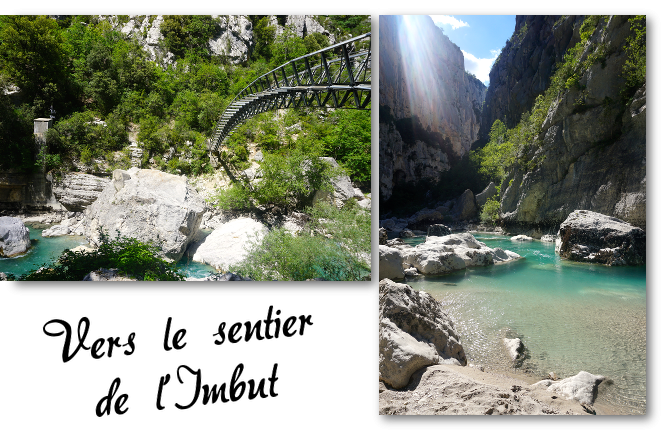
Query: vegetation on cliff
[[517, 146]]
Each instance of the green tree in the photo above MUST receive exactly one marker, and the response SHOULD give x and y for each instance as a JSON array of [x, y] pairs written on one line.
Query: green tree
[[497, 155], [32, 56], [188, 35], [635, 68], [15, 135], [287, 46], [350, 143], [264, 35]]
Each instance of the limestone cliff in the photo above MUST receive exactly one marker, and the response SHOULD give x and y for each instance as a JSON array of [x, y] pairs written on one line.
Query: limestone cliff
[[523, 69], [234, 40], [429, 106], [590, 151]]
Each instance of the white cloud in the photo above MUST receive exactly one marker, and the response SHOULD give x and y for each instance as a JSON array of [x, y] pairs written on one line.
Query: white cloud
[[480, 67], [448, 20]]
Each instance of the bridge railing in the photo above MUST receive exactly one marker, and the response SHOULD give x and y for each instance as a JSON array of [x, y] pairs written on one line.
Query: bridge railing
[[338, 76], [318, 68]]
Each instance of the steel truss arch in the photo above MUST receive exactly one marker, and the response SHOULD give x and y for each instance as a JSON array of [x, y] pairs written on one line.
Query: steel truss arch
[[338, 76]]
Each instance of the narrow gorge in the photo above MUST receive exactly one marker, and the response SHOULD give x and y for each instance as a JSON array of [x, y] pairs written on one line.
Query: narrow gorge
[[516, 213]]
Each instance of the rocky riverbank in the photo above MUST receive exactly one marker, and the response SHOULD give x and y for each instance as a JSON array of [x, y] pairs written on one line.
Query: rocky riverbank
[[168, 211], [423, 368]]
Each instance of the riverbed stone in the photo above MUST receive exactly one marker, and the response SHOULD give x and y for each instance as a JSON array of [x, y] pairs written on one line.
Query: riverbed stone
[[414, 332], [14, 237]]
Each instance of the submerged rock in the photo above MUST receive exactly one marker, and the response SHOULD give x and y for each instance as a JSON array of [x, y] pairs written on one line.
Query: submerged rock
[[587, 236], [516, 350], [414, 332], [582, 387]]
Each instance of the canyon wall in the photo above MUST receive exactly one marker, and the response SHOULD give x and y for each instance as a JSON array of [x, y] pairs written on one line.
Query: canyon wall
[[523, 70], [430, 107], [590, 152]]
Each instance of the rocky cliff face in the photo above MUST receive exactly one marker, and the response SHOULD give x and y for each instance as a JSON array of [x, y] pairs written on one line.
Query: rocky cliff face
[[523, 70], [591, 150], [235, 39], [429, 106]]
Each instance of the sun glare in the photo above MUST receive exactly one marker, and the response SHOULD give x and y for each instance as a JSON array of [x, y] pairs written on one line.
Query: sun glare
[[426, 95]]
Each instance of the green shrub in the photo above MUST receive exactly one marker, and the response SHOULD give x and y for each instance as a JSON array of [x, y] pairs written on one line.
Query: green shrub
[[282, 256], [490, 212], [130, 256]]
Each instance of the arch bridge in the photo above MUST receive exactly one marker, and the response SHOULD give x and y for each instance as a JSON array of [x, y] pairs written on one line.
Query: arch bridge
[[338, 76]]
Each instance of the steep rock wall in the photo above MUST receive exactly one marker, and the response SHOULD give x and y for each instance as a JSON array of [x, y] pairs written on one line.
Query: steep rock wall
[[429, 106], [591, 152], [525, 65]]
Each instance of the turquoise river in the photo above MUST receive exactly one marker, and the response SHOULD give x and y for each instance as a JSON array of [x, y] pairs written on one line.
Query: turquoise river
[[571, 317], [47, 250]]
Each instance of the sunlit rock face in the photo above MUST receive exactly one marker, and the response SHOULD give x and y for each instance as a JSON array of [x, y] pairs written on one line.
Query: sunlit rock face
[[429, 106]]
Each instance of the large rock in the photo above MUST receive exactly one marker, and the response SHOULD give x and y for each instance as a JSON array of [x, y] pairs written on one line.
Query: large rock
[[488, 193], [465, 206], [438, 255], [342, 187], [582, 387], [390, 263], [148, 205], [414, 332], [587, 236], [227, 245], [428, 122], [14, 237], [443, 108], [76, 191], [438, 230]]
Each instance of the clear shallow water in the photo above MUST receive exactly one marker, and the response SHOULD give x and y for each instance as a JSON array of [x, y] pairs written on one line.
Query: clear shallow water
[[571, 317], [47, 250]]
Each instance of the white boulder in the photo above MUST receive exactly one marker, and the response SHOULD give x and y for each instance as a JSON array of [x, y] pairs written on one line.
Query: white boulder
[[521, 238], [148, 205], [448, 253], [414, 332], [227, 245], [14, 237]]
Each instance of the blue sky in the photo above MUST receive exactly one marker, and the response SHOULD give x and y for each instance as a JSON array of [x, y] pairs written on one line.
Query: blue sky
[[480, 37]]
